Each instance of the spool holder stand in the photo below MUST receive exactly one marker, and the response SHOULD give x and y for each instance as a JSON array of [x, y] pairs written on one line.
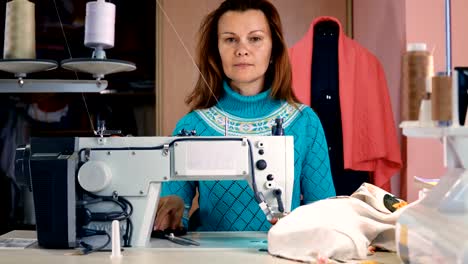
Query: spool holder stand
[[97, 67], [22, 67], [21, 85]]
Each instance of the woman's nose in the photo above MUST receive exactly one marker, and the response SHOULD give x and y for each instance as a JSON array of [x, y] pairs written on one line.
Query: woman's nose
[[242, 51]]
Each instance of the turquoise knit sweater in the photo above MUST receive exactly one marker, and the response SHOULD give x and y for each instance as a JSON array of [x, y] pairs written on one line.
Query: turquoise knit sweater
[[230, 205]]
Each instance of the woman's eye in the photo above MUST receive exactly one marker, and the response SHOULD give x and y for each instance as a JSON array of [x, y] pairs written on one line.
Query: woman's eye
[[255, 39], [230, 40]]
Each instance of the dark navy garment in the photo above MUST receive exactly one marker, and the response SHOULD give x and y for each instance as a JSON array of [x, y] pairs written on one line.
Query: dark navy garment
[[326, 103]]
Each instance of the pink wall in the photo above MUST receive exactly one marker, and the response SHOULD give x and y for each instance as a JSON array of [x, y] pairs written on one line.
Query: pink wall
[[460, 32], [432, 16], [384, 27], [420, 17], [380, 27]]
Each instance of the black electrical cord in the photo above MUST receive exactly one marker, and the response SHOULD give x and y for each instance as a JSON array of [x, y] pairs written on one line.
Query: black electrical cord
[[88, 249], [128, 235], [127, 210], [129, 229]]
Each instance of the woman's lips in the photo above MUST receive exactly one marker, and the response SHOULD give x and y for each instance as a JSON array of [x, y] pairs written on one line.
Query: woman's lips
[[242, 65]]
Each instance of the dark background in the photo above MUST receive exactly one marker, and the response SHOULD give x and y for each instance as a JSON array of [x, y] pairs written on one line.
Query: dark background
[[126, 92]]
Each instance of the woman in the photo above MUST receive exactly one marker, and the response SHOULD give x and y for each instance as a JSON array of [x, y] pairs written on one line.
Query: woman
[[245, 79]]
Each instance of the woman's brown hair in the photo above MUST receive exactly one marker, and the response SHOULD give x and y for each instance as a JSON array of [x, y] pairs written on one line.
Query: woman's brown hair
[[278, 75]]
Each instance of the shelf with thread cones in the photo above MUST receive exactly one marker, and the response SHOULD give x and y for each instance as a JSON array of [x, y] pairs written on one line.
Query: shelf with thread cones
[[415, 129]]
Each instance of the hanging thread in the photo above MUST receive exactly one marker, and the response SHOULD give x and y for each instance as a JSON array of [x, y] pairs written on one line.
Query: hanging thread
[[418, 68], [442, 99], [20, 33]]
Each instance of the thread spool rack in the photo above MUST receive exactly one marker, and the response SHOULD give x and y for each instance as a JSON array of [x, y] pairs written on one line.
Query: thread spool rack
[[99, 68], [22, 67], [454, 140], [100, 19]]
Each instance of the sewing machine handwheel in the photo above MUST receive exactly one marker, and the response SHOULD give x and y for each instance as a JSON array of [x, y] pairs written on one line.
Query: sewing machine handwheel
[[94, 176]]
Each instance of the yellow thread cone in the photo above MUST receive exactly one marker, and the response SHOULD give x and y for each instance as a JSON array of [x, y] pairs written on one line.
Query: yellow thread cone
[[20, 33]]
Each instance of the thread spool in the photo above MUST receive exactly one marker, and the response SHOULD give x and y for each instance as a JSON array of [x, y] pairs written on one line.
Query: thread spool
[[442, 99], [99, 26], [20, 34], [418, 68]]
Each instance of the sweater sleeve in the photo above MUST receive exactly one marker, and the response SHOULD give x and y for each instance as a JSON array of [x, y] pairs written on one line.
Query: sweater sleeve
[[316, 178]]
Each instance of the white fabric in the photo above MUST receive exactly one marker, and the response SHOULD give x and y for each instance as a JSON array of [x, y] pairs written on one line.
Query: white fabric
[[340, 228]]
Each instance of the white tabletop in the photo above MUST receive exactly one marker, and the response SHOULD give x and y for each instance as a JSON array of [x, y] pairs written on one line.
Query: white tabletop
[[224, 247]]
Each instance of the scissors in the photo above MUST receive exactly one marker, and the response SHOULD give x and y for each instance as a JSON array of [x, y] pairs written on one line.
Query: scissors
[[175, 239], [182, 240]]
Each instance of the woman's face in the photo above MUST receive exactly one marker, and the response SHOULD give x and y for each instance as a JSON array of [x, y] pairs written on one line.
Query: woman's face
[[244, 43]]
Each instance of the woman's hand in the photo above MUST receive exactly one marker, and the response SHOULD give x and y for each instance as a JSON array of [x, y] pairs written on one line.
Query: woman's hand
[[273, 221], [169, 214]]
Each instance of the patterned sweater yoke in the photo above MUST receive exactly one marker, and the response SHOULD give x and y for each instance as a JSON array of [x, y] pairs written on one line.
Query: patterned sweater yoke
[[237, 126]]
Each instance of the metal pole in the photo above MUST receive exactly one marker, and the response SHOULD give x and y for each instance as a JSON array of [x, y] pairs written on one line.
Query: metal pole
[[448, 38]]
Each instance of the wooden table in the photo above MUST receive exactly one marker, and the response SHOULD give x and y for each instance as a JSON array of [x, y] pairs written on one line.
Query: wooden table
[[216, 247]]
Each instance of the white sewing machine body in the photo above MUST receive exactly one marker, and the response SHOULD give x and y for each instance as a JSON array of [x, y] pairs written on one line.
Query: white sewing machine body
[[135, 167], [435, 228]]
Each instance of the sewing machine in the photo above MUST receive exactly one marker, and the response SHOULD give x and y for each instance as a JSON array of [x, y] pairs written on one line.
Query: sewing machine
[[435, 228], [129, 172]]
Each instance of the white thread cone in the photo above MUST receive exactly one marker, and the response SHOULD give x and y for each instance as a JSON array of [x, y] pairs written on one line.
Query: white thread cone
[[99, 24], [116, 240], [425, 113]]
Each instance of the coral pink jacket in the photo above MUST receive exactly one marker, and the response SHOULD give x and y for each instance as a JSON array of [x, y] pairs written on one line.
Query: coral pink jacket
[[369, 134]]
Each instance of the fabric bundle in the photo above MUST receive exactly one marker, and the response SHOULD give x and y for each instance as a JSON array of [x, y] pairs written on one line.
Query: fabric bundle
[[340, 228]]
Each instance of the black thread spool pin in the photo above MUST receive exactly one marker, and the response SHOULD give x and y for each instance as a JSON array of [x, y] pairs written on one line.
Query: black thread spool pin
[[277, 129]]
